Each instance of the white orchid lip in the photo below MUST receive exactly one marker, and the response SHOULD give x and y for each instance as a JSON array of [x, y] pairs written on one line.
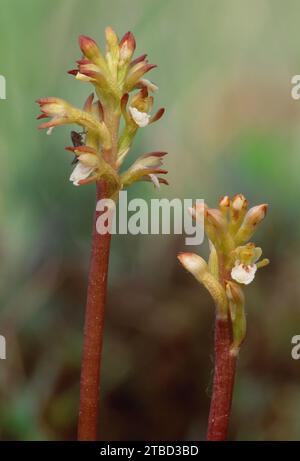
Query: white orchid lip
[[243, 273], [155, 180], [140, 118], [49, 131], [80, 172]]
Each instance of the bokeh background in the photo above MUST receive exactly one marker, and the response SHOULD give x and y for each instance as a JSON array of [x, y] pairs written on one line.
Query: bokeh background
[[231, 126]]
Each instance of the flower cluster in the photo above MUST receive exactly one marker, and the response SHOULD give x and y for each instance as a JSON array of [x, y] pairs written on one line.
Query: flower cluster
[[233, 260], [104, 142]]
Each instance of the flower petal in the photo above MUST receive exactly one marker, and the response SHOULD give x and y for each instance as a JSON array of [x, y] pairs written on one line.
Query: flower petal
[[155, 180], [140, 118], [80, 172], [243, 273]]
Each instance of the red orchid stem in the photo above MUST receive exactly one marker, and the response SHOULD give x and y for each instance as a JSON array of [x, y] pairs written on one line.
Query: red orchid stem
[[224, 373], [93, 330]]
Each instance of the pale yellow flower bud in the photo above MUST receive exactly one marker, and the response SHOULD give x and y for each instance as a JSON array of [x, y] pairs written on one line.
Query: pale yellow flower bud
[[253, 217]]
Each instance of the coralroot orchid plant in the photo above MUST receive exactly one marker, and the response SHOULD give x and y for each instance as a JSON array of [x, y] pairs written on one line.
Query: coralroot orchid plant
[[232, 263], [109, 125]]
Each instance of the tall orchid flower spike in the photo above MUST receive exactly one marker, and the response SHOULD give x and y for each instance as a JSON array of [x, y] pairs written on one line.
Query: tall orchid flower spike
[[113, 76], [232, 264], [121, 93]]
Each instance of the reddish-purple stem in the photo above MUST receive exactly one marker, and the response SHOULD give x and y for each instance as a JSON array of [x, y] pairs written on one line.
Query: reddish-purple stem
[[93, 330], [224, 373]]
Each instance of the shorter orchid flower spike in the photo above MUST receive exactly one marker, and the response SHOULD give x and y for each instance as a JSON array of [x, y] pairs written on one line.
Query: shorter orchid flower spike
[[101, 148], [233, 261]]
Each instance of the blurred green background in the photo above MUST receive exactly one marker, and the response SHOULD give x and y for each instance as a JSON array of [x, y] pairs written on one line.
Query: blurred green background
[[224, 71]]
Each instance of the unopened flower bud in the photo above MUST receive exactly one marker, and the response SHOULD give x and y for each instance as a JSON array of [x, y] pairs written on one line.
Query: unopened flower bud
[[113, 51], [199, 269], [216, 219], [111, 38], [91, 50], [253, 217], [127, 47], [215, 225], [193, 263], [239, 203], [256, 214], [224, 202], [238, 210]]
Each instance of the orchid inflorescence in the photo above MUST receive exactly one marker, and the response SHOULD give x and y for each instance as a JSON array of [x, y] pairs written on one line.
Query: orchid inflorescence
[[103, 150], [233, 260]]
